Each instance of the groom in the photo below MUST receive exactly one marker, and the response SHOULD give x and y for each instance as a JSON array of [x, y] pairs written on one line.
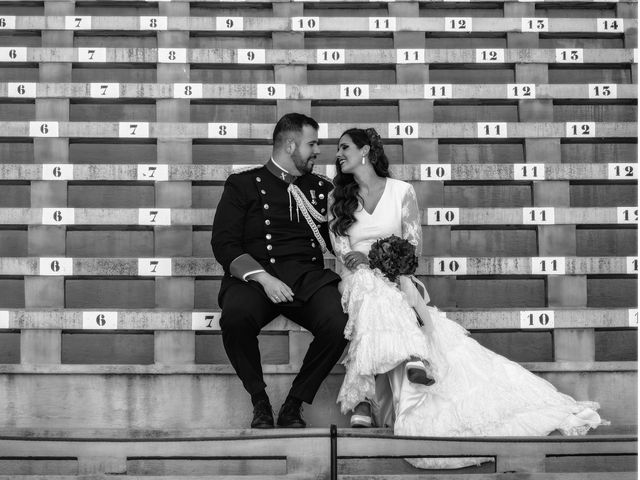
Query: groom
[[269, 234]]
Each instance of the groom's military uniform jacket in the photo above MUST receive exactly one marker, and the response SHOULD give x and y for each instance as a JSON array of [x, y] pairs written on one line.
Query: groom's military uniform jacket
[[258, 226]]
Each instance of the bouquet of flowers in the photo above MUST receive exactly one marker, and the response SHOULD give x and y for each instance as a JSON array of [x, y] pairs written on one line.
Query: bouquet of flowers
[[393, 256]]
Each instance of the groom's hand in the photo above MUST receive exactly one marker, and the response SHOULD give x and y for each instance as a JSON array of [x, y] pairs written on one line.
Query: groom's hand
[[353, 259], [276, 289]]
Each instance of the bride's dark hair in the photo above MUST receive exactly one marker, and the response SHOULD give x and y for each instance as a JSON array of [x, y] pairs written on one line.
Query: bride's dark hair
[[345, 193]]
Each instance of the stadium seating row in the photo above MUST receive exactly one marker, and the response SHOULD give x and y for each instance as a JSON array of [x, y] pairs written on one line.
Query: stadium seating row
[[256, 56], [609, 25], [193, 266], [262, 131], [430, 216], [190, 91]]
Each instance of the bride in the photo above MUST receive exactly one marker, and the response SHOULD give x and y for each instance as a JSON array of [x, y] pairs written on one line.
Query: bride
[[438, 381]]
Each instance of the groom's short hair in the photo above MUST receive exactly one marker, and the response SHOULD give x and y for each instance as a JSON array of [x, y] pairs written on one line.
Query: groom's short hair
[[291, 122]]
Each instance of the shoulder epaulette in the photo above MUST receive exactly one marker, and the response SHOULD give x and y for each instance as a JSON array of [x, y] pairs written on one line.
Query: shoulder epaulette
[[324, 177], [246, 168]]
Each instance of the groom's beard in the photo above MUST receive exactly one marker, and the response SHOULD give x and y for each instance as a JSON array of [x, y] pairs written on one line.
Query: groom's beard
[[303, 166]]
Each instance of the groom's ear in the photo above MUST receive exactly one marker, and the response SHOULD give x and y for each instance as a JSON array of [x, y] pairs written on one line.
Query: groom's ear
[[291, 145]]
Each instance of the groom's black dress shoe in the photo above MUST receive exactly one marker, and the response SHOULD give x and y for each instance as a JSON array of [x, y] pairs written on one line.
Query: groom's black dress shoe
[[290, 417], [262, 415]]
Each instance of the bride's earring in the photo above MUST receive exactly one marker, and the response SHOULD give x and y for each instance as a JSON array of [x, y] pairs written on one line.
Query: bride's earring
[[364, 159]]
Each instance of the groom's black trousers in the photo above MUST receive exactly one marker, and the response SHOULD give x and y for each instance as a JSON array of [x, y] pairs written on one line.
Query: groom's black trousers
[[246, 310]]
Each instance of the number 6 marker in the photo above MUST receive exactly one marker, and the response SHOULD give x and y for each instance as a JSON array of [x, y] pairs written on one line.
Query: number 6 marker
[[52, 266], [99, 320]]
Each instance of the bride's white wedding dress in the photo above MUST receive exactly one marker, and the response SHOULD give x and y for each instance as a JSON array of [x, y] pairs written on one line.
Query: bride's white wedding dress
[[477, 392]]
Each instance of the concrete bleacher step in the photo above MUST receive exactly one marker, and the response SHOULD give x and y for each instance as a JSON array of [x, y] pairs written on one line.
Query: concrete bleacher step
[[134, 92], [618, 171], [228, 56], [608, 25], [293, 454]]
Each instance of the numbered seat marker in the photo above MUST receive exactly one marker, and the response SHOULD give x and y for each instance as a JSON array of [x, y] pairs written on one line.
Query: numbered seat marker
[[548, 265], [88, 55], [538, 216], [154, 216], [13, 54], [443, 216], [154, 267], [535, 24], [632, 265], [622, 171], [433, 91], [524, 91], [223, 130], [627, 214], [230, 24], [271, 91], [492, 130], [495, 55], [603, 90], [449, 266], [382, 24], [330, 56], [153, 172], [580, 129], [354, 92], [633, 317], [153, 23], [187, 90], [57, 172], [323, 131], [403, 130], [21, 90], [610, 25], [8, 22], [537, 319], [52, 266], [99, 320], [77, 23], [435, 171], [410, 55], [528, 171], [205, 320], [133, 130], [305, 24], [569, 55], [458, 24], [172, 55], [44, 129], [58, 216], [104, 90], [257, 56]]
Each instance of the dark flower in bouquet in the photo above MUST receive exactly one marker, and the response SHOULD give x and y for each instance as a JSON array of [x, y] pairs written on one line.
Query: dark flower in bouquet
[[393, 256]]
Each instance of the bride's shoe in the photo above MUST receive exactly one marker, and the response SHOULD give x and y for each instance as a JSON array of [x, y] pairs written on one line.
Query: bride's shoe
[[361, 417], [417, 372]]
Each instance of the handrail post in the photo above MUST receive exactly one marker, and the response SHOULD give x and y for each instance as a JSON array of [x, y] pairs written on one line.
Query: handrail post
[[333, 433]]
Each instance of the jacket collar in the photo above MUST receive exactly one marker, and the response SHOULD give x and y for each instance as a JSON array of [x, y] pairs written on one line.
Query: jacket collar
[[280, 172]]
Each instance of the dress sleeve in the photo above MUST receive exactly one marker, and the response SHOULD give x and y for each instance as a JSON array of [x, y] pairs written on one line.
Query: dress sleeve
[[341, 244], [411, 221]]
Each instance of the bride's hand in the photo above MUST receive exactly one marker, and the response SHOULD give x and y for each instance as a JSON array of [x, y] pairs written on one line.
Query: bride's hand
[[353, 259]]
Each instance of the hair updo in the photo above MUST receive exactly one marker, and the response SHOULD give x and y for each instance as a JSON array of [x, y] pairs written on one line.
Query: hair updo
[[345, 193]]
